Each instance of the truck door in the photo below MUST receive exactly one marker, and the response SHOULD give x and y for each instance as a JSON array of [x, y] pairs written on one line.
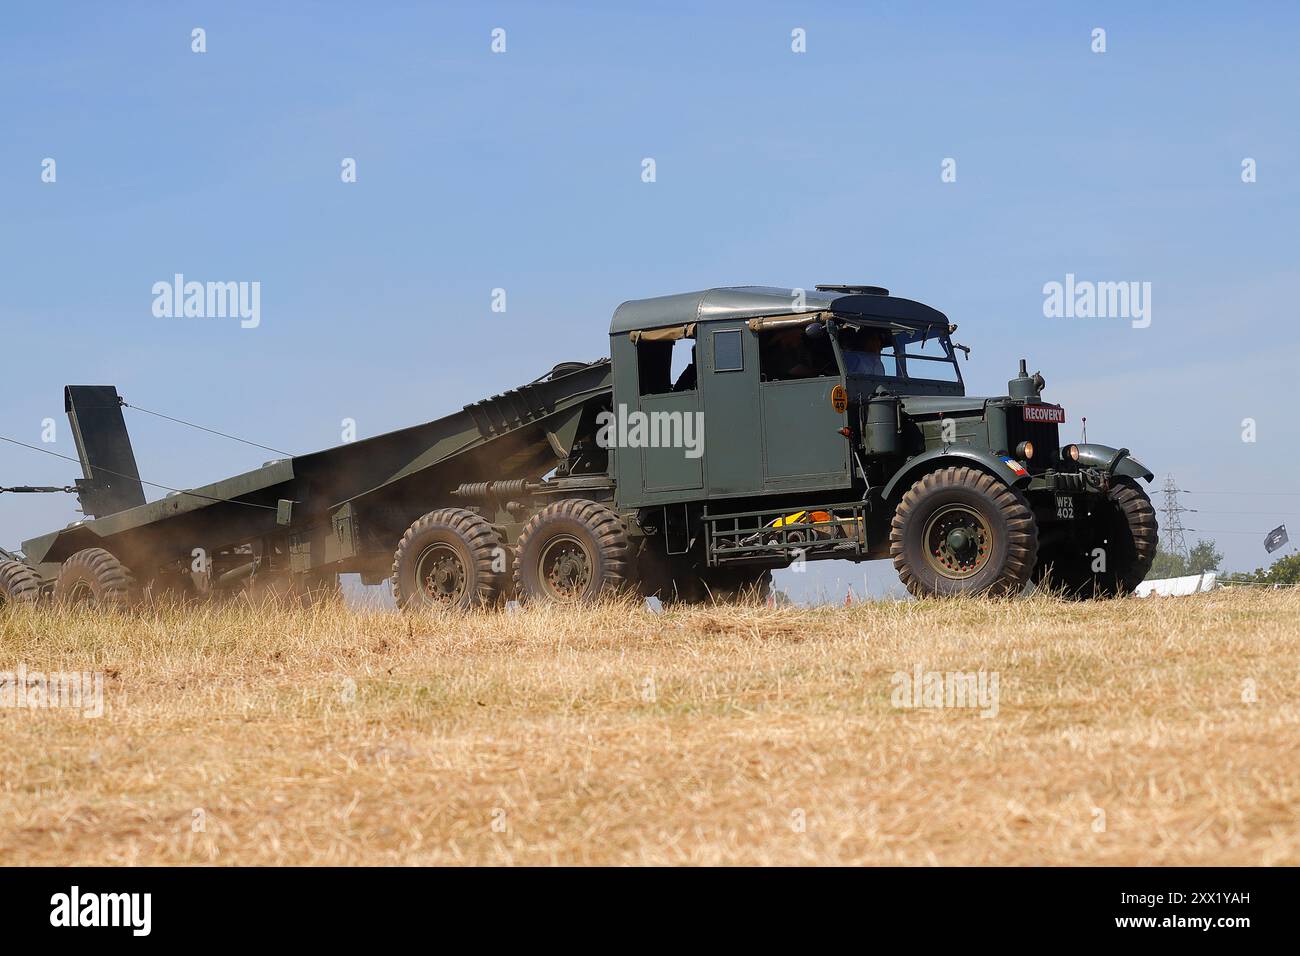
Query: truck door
[[668, 435], [802, 444], [733, 439]]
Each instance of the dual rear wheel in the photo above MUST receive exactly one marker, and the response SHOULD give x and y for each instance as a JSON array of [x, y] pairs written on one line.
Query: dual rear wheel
[[571, 551], [450, 558]]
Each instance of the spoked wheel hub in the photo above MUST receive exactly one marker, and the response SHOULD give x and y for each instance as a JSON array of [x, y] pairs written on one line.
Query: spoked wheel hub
[[573, 551], [442, 574], [957, 541], [449, 559], [566, 568], [961, 530]]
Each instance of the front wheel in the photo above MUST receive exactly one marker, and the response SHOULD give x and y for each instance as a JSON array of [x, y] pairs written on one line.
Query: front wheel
[[961, 531]]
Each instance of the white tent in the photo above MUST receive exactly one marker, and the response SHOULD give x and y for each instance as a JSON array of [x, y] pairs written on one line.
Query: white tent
[[1177, 587]]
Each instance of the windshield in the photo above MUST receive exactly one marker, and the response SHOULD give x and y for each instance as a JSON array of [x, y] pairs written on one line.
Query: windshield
[[926, 354]]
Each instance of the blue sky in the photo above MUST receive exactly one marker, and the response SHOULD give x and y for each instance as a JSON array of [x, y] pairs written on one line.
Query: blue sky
[[522, 171]]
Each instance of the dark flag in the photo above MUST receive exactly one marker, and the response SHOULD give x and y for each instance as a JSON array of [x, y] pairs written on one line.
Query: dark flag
[[1276, 538]]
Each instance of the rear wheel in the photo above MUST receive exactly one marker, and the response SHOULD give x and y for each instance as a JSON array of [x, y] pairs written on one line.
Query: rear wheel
[[450, 558], [1116, 554], [94, 577], [572, 551], [962, 531], [19, 584]]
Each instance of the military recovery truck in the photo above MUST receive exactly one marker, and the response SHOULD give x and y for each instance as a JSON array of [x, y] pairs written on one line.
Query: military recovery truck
[[801, 426]]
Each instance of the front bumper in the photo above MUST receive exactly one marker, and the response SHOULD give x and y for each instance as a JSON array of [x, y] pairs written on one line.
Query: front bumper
[[1086, 481]]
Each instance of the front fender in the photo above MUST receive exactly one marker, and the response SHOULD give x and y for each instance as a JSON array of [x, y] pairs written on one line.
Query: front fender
[[1099, 456], [951, 455]]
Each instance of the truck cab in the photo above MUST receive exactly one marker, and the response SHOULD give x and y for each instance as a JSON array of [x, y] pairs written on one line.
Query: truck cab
[[766, 380]]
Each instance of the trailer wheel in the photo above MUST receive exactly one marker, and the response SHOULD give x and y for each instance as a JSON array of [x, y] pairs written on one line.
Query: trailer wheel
[[961, 531], [19, 584], [1125, 531], [572, 551], [451, 558], [94, 576]]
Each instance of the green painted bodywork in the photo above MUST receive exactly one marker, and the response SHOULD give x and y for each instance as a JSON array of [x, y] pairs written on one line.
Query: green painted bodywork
[[1098, 456], [349, 502], [949, 456]]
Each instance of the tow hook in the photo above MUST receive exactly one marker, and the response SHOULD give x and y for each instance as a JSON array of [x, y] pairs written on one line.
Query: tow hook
[[1096, 479]]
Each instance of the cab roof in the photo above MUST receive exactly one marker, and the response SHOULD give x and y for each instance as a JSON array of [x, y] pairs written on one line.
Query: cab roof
[[754, 301]]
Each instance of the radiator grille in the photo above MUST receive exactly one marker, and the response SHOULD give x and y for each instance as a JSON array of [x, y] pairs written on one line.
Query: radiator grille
[[1044, 435]]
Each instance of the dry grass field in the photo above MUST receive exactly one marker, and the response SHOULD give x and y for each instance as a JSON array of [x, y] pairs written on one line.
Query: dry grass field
[[1164, 731]]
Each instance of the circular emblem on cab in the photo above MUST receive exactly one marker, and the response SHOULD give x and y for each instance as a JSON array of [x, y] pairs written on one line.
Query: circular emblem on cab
[[839, 399]]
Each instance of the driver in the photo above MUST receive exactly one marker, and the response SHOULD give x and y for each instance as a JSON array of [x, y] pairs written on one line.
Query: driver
[[864, 357]]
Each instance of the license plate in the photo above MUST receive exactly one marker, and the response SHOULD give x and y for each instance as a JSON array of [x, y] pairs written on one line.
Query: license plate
[[1047, 414], [1064, 508]]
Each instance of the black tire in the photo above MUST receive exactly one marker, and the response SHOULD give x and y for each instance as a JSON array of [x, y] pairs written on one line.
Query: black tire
[[19, 584], [962, 531], [94, 576], [1125, 528], [570, 552], [451, 558]]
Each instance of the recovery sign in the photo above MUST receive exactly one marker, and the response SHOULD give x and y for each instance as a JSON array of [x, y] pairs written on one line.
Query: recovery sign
[[1050, 414]]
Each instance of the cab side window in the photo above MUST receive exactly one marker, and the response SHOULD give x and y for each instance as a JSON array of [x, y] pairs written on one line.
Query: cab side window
[[728, 351], [802, 351], [664, 367]]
